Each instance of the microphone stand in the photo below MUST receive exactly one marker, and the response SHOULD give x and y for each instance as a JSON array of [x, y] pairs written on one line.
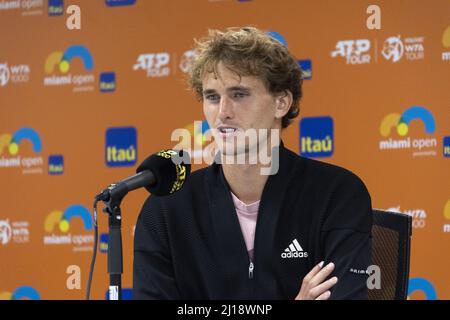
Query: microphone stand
[[112, 201]]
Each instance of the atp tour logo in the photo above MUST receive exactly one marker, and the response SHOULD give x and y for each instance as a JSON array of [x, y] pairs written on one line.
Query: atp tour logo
[[402, 123], [422, 285], [21, 293], [55, 7], [13, 144], [15, 74], [395, 48], [63, 61], [155, 65], [58, 223], [121, 147], [353, 51], [317, 137]]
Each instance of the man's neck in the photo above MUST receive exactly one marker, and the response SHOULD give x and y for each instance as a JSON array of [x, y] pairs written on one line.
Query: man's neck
[[246, 180]]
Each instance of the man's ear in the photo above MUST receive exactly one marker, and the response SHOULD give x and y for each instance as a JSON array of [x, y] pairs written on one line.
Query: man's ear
[[283, 103]]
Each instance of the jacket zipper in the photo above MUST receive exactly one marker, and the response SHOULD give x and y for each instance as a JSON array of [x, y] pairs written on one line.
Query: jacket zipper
[[250, 270]]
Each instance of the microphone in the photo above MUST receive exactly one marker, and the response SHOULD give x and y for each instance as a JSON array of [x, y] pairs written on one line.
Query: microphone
[[161, 174]]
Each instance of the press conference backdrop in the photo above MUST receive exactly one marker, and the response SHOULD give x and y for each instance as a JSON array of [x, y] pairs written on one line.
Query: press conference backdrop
[[82, 108]]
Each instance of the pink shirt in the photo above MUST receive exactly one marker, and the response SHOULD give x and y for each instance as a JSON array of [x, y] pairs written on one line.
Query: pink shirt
[[247, 215]]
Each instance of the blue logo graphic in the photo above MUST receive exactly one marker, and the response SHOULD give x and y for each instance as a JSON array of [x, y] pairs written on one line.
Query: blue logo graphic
[[423, 285], [446, 143], [55, 7], [306, 66], [103, 243], [121, 147], [127, 294], [316, 137], [55, 164], [107, 82], [277, 36], [117, 3], [21, 293]]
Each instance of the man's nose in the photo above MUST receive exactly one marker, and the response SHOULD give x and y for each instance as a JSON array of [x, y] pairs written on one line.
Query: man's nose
[[225, 108]]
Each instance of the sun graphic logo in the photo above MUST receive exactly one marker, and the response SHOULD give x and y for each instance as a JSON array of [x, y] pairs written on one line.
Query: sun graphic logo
[[402, 123], [62, 219], [63, 62], [446, 44], [446, 227], [10, 147], [21, 293], [195, 138], [423, 286], [11, 142], [58, 224]]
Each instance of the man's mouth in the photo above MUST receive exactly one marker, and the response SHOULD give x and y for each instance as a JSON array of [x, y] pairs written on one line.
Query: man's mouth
[[226, 131]]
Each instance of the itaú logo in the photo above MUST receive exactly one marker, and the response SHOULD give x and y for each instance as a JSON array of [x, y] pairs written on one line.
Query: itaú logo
[[316, 136], [121, 147]]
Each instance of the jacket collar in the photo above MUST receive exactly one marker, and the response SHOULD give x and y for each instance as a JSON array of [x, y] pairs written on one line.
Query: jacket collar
[[231, 245]]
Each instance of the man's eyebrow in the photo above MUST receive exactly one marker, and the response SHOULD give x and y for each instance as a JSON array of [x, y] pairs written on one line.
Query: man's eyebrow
[[208, 91], [238, 88], [230, 89]]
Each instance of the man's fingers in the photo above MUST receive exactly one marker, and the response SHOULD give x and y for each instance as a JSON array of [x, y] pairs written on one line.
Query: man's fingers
[[324, 296], [322, 275], [313, 272], [324, 287]]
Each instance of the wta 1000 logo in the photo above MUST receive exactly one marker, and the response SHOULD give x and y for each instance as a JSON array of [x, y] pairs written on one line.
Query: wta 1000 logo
[[402, 123], [59, 224]]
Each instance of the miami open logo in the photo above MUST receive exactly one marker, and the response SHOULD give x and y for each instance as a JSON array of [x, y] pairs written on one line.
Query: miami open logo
[[397, 129], [62, 62], [11, 146], [59, 224], [21, 293]]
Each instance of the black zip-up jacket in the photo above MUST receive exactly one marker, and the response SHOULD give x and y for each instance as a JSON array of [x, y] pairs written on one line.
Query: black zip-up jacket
[[189, 245]]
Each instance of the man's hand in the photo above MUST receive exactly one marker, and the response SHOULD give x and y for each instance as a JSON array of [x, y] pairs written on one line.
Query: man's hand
[[313, 285]]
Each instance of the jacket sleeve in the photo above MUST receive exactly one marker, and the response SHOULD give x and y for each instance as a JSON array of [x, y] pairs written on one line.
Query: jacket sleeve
[[346, 238], [153, 272]]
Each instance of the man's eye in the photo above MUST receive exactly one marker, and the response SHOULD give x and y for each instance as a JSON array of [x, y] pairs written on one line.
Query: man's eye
[[212, 97], [239, 95]]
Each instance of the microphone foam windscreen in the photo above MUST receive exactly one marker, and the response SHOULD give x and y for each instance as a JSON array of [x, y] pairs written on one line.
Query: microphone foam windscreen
[[171, 169]]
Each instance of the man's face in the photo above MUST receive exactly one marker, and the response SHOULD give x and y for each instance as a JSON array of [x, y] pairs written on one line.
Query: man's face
[[234, 104]]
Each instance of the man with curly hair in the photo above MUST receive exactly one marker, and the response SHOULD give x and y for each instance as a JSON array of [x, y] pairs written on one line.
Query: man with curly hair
[[301, 232]]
